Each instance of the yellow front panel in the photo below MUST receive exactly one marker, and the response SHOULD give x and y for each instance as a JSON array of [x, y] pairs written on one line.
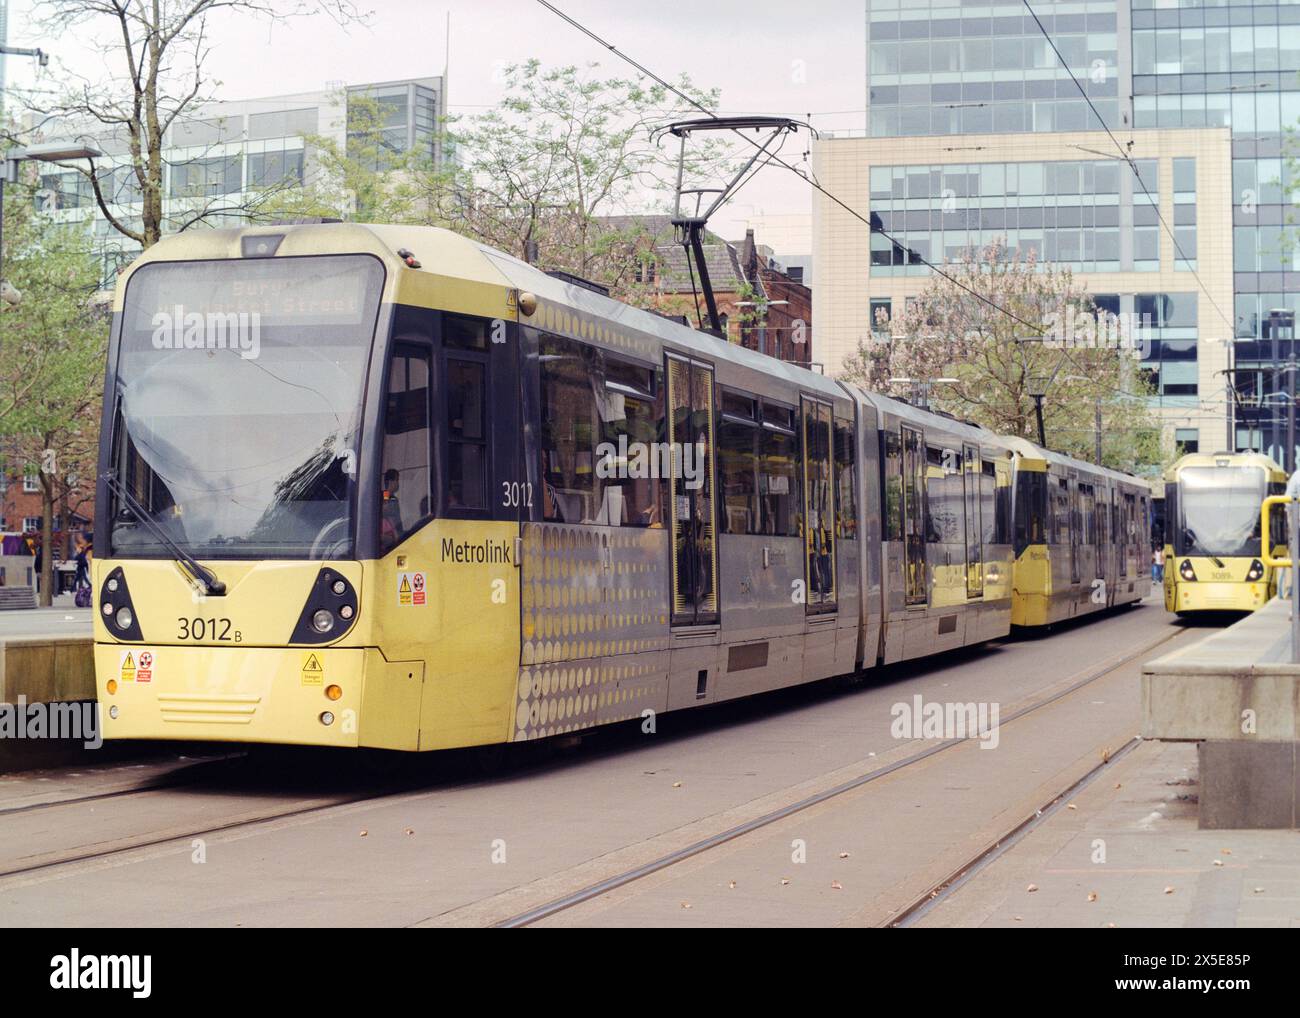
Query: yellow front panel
[[1031, 587], [431, 662]]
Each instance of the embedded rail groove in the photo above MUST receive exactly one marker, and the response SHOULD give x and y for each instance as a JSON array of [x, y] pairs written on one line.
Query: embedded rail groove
[[1003, 844], [704, 845]]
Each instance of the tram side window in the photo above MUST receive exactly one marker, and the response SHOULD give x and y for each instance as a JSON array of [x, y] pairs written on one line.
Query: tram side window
[[891, 490], [944, 498], [406, 469], [568, 438], [1088, 514], [738, 463], [846, 480], [989, 508], [602, 430], [1003, 502], [778, 477], [1031, 509], [466, 435], [629, 402], [1060, 511]]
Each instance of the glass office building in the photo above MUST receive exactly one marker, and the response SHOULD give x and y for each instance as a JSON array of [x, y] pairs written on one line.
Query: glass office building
[[977, 126], [227, 150]]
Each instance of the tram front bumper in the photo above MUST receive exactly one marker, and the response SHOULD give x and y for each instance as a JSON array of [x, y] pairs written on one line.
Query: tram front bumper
[[1237, 597], [327, 697]]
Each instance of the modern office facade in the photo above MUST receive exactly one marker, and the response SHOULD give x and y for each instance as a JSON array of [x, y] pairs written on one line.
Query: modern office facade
[[224, 154], [976, 129]]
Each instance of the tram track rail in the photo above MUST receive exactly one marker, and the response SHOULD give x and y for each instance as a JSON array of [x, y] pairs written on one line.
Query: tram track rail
[[34, 866], [702, 846]]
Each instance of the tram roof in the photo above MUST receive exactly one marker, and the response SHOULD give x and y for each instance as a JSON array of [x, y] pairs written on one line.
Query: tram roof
[[966, 430], [459, 274], [1032, 450], [1226, 459]]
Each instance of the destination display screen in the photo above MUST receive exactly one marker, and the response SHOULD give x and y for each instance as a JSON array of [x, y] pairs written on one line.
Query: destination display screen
[[334, 290]]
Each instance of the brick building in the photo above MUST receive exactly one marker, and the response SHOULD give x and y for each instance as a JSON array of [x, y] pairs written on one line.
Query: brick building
[[762, 306]]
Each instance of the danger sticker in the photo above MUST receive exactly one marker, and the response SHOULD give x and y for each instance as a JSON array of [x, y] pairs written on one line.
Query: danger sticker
[[128, 667], [312, 672], [410, 589], [144, 667]]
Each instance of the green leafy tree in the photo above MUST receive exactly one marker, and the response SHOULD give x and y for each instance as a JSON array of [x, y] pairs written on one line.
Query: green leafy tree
[[154, 78], [53, 338], [959, 328]]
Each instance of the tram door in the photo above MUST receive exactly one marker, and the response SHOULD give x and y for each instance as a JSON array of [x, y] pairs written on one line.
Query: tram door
[[819, 507], [694, 513], [914, 564], [971, 480], [1075, 525]]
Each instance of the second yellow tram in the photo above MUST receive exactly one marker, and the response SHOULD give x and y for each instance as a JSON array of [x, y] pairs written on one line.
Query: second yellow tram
[[1212, 532]]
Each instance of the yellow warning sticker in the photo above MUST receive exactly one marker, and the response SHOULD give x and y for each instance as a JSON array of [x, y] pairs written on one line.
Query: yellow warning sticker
[[128, 668], [312, 672], [410, 589]]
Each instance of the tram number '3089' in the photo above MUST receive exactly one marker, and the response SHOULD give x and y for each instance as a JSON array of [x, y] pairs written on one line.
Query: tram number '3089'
[[516, 494], [198, 628]]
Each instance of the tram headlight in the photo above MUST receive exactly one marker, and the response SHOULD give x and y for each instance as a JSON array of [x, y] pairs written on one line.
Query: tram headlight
[[116, 607], [331, 609], [1186, 571], [1256, 572]]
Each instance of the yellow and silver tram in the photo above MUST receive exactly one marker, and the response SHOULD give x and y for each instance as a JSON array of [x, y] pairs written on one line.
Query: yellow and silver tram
[[1082, 537], [1212, 532], [386, 487]]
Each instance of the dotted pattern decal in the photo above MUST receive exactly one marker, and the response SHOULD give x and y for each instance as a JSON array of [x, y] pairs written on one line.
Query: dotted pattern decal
[[595, 626]]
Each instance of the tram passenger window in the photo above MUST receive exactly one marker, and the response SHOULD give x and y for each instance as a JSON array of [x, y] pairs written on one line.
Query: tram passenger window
[[1087, 515], [891, 490], [846, 503], [466, 435], [1032, 511], [406, 469], [569, 429], [461, 333], [778, 478], [630, 408], [941, 526], [738, 464], [988, 489]]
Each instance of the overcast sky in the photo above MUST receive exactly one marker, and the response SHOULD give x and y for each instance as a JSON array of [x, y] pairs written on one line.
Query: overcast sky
[[766, 57]]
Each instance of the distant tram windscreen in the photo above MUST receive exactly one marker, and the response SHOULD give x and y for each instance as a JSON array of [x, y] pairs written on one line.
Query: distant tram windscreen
[[1219, 511]]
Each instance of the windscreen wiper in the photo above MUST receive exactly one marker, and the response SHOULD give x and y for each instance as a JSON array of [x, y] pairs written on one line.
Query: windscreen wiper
[[196, 570], [1196, 541]]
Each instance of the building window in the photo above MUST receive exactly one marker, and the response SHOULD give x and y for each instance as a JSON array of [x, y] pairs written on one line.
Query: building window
[[269, 169], [201, 178], [31, 480], [1187, 440], [31, 524]]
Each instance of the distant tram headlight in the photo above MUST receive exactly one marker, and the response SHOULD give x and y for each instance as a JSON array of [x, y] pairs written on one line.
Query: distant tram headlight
[[1256, 572], [124, 618], [323, 621], [1186, 571], [108, 608]]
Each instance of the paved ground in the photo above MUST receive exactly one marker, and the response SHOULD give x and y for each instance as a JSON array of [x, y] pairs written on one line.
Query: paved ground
[[459, 850], [57, 621], [1130, 854]]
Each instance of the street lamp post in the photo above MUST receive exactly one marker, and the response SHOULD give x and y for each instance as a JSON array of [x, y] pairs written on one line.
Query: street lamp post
[[1283, 320], [50, 152]]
